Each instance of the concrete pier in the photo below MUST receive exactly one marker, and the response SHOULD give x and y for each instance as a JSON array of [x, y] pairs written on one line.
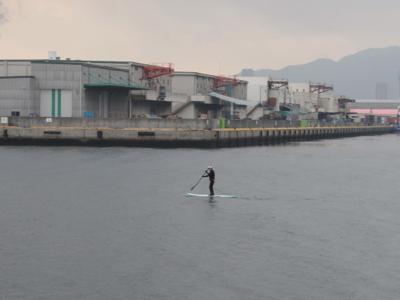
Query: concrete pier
[[271, 136], [173, 137]]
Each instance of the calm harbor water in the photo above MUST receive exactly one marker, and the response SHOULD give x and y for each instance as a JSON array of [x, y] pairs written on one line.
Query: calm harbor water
[[315, 220]]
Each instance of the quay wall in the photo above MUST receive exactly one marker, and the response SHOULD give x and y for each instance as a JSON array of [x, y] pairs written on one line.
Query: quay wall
[[27, 122], [170, 137], [144, 123], [271, 136]]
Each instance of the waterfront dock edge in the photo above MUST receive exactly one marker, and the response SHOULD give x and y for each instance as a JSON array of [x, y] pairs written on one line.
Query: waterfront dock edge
[[173, 137]]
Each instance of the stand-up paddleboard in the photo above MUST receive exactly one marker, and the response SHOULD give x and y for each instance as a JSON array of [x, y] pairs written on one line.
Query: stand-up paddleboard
[[208, 196]]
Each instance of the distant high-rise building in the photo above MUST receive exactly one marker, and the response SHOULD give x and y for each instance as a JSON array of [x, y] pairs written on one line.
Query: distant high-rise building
[[399, 84], [381, 90]]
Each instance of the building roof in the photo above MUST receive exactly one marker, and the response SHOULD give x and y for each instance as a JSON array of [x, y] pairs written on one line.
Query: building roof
[[376, 104], [78, 62], [82, 61], [67, 62], [197, 74], [378, 101], [16, 77], [119, 62], [127, 86], [375, 112]]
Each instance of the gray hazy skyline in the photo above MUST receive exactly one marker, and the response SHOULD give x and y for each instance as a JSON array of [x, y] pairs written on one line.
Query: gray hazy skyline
[[219, 37]]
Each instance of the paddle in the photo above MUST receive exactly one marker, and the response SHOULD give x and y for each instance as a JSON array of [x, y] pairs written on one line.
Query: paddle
[[197, 183]]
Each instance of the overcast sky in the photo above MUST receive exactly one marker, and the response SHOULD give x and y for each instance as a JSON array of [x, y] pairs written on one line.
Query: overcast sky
[[214, 36]]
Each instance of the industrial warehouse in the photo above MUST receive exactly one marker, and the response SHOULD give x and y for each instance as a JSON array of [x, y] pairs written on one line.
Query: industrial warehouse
[[125, 90], [64, 101], [106, 89]]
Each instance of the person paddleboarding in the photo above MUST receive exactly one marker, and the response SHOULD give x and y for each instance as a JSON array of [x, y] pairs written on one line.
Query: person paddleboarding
[[211, 176], [210, 173]]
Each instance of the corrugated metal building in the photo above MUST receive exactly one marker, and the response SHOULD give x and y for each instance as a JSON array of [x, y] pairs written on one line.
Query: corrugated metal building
[[71, 88], [115, 89], [17, 94], [376, 107]]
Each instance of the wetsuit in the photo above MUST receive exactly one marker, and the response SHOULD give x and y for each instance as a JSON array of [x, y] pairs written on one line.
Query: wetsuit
[[211, 175]]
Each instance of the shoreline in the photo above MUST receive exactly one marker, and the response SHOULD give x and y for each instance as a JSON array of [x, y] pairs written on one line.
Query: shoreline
[[177, 138]]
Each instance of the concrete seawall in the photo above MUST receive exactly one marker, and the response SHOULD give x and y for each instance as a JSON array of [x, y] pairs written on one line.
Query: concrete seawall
[[197, 124], [170, 137]]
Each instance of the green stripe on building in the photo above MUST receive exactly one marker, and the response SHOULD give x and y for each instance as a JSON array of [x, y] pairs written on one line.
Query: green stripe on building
[[59, 104], [53, 103]]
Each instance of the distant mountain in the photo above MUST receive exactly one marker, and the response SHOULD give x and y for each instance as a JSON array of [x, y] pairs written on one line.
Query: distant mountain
[[355, 75]]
